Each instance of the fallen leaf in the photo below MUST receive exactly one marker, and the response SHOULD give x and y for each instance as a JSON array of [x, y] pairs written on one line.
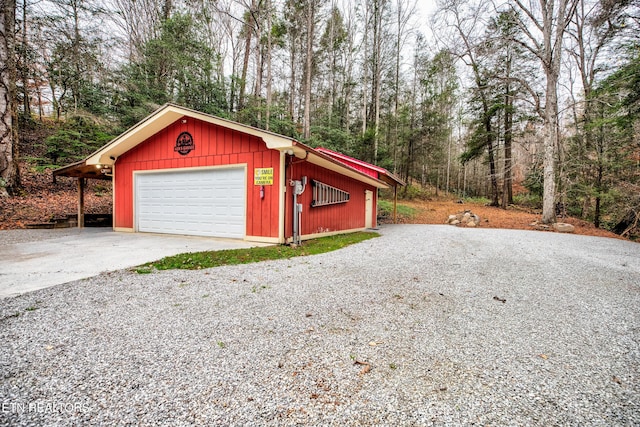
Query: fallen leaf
[[366, 367], [543, 356], [616, 380]]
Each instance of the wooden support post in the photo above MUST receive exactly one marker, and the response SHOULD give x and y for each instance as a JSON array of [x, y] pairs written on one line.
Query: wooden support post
[[81, 202], [395, 204]]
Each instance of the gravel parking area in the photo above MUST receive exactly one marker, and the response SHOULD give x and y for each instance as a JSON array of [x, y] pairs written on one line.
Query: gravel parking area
[[426, 325]]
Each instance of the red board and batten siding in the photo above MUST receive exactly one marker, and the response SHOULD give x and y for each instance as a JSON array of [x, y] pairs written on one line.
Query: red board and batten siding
[[214, 146], [330, 218]]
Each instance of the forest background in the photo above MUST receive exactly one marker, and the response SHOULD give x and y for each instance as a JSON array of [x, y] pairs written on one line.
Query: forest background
[[529, 102]]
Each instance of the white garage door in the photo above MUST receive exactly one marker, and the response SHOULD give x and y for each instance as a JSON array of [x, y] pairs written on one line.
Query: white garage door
[[196, 202]]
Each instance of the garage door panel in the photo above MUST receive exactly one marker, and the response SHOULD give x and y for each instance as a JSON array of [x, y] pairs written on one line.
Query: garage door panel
[[203, 202]]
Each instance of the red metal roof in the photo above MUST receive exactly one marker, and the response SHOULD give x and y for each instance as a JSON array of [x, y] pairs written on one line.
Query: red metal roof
[[362, 166]]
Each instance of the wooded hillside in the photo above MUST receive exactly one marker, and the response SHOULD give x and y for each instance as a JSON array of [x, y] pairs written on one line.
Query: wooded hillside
[[516, 101]]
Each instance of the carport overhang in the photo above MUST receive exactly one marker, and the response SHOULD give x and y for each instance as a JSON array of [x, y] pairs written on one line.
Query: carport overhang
[[83, 171]]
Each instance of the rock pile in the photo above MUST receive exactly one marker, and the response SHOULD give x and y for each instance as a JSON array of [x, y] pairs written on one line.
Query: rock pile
[[464, 219], [560, 227]]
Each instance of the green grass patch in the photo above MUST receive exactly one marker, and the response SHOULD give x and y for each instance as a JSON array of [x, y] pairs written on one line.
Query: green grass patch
[[528, 200], [477, 200], [210, 259], [385, 210]]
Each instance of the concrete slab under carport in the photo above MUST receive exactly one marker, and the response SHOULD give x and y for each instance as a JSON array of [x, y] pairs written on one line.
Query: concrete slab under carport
[[37, 259]]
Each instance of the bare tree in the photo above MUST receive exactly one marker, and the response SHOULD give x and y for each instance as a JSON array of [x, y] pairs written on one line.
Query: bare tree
[[348, 66], [308, 69], [9, 175], [269, 63], [593, 26], [467, 23], [138, 21], [376, 69], [543, 27], [405, 10], [249, 27]]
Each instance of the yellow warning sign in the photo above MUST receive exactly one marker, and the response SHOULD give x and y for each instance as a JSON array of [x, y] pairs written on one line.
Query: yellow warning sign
[[263, 176]]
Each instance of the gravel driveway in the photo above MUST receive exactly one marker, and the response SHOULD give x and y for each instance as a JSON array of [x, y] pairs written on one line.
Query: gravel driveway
[[426, 325]]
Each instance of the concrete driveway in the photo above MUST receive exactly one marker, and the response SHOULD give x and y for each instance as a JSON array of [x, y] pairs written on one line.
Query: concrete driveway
[[36, 259]]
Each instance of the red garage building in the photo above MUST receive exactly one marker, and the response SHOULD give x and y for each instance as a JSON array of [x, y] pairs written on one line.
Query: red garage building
[[180, 171]]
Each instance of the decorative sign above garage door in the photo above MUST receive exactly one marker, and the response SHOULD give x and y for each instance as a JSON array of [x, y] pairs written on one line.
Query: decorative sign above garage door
[[324, 194], [184, 143]]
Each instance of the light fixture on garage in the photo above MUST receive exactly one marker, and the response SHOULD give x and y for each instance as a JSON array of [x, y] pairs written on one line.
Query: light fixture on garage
[[184, 121]]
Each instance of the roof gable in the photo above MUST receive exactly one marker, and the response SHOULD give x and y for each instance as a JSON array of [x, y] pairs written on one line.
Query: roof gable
[[165, 116]]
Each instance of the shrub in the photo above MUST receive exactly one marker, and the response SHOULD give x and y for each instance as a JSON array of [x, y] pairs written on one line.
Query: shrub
[[76, 137]]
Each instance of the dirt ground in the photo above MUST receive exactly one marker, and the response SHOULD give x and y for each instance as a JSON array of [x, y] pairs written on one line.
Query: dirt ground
[[437, 212], [42, 200]]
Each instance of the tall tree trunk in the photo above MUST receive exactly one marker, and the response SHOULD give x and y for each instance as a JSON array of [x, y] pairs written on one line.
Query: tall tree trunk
[[166, 9], [600, 150], [550, 149], [257, 91], [9, 174], [24, 66], [365, 68], [551, 21], [409, 160], [492, 159], [376, 74], [248, 28], [308, 69], [507, 191], [292, 83], [269, 42], [347, 86]]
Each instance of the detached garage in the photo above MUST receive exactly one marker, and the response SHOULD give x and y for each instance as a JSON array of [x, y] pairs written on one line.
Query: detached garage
[[180, 171]]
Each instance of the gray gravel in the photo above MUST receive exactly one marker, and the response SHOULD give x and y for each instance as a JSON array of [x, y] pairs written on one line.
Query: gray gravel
[[458, 327]]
